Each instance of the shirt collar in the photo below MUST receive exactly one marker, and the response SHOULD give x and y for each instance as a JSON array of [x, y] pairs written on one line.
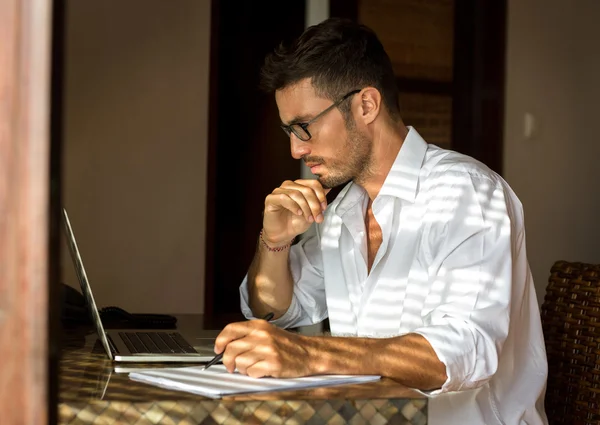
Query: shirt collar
[[402, 180]]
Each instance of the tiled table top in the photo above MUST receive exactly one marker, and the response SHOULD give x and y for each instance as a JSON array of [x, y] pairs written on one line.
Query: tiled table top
[[92, 391]]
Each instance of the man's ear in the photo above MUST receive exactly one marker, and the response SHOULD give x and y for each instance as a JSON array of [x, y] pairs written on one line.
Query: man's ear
[[370, 104]]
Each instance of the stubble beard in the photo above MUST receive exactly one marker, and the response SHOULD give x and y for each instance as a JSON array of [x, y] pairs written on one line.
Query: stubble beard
[[354, 161]]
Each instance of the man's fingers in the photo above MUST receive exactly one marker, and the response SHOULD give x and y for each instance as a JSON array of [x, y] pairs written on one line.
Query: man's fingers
[[278, 198], [312, 184], [247, 360], [316, 205], [316, 201], [305, 204], [319, 190], [262, 369], [244, 343], [235, 349], [299, 199], [232, 332]]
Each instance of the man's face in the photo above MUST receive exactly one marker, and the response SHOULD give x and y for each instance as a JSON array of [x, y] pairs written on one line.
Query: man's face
[[337, 151]]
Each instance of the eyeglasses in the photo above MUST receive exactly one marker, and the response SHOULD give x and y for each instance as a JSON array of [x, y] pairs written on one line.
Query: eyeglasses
[[300, 129]]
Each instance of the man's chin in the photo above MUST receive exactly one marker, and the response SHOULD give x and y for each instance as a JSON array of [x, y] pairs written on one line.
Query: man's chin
[[324, 182], [329, 183]]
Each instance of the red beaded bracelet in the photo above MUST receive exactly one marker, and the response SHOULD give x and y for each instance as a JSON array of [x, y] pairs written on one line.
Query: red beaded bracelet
[[277, 249]]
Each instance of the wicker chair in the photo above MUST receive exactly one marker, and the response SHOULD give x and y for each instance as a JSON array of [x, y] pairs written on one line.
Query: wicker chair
[[571, 323]]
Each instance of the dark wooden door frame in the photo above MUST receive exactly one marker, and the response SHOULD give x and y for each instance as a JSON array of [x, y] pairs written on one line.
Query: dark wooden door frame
[[241, 34], [479, 80]]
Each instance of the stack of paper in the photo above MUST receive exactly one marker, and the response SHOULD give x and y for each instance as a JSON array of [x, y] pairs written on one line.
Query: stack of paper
[[216, 382]]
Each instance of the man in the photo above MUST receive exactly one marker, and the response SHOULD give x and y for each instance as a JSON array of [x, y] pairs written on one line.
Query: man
[[419, 263]]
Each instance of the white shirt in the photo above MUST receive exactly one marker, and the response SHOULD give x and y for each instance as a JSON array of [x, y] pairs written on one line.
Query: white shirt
[[452, 267]]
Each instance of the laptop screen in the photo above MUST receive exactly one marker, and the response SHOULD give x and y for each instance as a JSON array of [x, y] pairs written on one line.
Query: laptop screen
[[85, 285]]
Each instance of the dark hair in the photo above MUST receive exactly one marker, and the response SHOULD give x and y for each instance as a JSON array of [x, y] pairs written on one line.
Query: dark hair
[[340, 56]]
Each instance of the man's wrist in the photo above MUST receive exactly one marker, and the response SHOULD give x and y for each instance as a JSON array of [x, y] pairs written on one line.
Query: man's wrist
[[274, 246], [318, 359]]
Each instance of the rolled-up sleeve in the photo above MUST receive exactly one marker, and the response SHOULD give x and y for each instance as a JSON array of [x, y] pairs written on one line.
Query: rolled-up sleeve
[[472, 283], [308, 304]]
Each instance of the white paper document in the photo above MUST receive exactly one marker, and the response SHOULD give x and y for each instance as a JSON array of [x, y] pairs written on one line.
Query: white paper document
[[216, 382]]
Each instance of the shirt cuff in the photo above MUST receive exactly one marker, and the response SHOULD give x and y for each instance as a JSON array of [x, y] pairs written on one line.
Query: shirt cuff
[[291, 316], [453, 356]]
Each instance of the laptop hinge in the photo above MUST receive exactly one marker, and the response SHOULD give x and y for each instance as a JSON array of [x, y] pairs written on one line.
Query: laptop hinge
[[113, 347]]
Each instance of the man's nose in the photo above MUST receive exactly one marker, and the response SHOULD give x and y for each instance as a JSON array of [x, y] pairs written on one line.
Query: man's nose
[[299, 148]]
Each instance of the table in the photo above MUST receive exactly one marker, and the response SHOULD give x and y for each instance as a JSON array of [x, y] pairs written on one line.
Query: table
[[93, 392]]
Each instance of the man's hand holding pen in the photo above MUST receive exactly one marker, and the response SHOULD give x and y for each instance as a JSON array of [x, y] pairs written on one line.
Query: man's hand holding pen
[[257, 348]]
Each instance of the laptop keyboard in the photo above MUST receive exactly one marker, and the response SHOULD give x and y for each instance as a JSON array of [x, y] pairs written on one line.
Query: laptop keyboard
[[156, 342]]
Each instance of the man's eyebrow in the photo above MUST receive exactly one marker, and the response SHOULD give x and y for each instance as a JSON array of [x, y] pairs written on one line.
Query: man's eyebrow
[[298, 119]]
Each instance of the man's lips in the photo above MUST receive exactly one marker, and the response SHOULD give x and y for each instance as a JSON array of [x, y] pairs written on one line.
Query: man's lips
[[313, 167]]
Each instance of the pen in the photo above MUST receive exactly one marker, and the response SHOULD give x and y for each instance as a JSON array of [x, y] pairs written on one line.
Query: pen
[[218, 357]]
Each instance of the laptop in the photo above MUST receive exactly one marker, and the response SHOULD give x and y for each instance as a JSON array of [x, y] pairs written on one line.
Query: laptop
[[140, 345]]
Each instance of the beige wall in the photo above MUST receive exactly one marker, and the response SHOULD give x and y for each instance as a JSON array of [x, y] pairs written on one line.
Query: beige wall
[[553, 72], [135, 149]]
